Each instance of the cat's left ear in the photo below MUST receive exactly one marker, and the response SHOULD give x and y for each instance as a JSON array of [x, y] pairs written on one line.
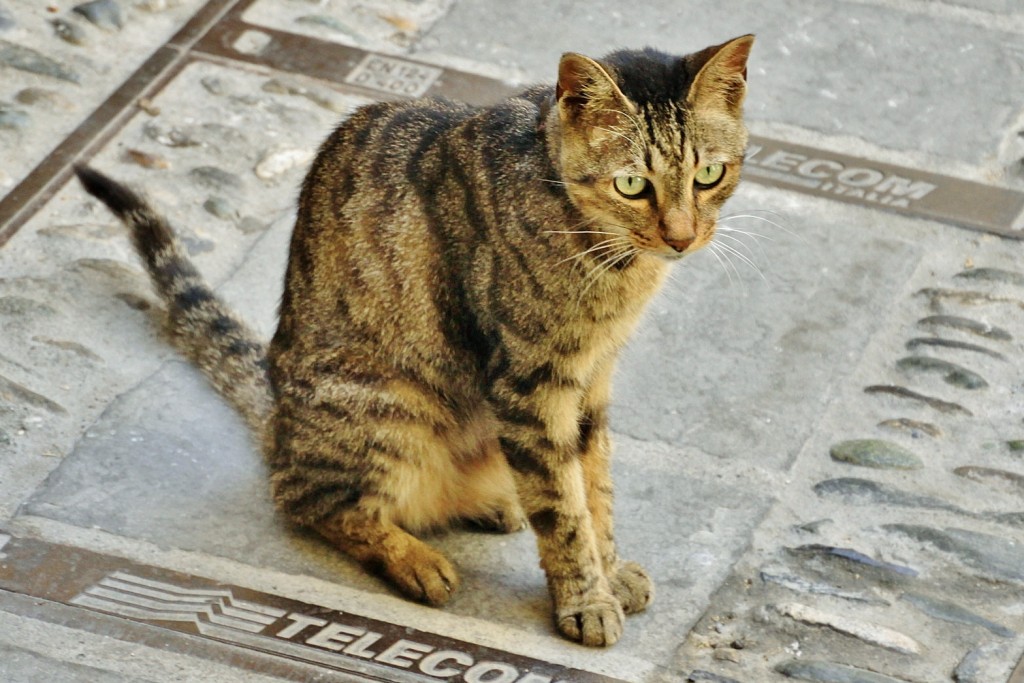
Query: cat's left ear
[[722, 79]]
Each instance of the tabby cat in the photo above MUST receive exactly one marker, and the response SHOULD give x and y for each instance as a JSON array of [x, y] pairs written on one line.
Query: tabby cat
[[460, 281]]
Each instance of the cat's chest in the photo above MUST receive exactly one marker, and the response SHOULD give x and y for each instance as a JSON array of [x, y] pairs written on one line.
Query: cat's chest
[[604, 323]]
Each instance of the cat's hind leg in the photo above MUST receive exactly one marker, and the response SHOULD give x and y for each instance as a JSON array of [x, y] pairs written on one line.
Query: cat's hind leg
[[489, 501], [417, 570], [367, 464]]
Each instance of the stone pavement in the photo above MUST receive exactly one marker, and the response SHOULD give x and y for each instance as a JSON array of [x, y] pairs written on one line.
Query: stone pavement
[[819, 428]]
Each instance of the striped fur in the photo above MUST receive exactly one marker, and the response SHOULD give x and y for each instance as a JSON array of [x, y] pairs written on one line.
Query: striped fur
[[459, 283], [202, 327]]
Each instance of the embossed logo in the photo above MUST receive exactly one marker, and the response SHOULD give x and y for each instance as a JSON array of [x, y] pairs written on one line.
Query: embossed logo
[[394, 76], [346, 646]]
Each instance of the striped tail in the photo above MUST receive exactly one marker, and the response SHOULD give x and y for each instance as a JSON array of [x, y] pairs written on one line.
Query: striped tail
[[200, 324]]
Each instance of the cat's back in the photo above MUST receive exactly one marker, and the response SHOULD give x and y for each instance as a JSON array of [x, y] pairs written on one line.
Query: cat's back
[[393, 146], [376, 143]]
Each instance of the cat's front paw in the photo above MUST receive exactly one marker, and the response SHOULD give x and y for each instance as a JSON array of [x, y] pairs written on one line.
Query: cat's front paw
[[423, 574], [632, 587], [594, 620]]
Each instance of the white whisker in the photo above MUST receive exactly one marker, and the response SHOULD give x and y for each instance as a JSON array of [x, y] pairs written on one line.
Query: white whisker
[[600, 246], [752, 215], [743, 257], [737, 240], [594, 275], [755, 235], [723, 261]]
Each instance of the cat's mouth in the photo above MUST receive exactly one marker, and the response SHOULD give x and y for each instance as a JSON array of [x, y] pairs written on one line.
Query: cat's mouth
[[673, 250]]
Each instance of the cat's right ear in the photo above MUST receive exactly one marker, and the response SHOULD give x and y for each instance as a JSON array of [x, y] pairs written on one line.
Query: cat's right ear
[[722, 79], [584, 86]]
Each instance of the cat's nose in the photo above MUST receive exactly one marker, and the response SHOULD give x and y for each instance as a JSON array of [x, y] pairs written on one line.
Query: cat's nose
[[679, 245], [677, 229]]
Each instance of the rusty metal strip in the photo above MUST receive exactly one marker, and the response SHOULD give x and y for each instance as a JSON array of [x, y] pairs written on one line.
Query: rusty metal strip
[[335, 63], [141, 598], [53, 612], [886, 186]]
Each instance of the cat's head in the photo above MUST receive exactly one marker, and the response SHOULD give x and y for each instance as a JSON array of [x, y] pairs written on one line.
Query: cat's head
[[650, 145]]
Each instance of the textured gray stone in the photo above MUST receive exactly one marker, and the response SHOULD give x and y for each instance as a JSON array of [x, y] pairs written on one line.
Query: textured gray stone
[[998, 275], [328, 22], [937, 342], [147, 159], [103, 13], [994, 556], [875, 453], [13, 119], [214, 178], [948, 407], [731, 408], [966, 325], [830, 672], [983, 664], [800, 584], [7, 20], [914, 427], [991, 475], [854, 556], [952, 612], [213, 85], [26, 59], [872, 633], [69, 31], [965, 297], [319, 96], [856, 491], [952, 373], [699, 676], [16, 393], [170, 136], [1000, 6], [43, 97], [221, 208]]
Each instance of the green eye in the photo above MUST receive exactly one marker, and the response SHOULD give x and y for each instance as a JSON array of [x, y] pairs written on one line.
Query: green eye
[[709, 175], [630, 185]]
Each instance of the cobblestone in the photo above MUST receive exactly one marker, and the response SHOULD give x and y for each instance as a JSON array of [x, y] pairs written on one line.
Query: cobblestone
[[966, 324], [105, 14], [993, 556], [948, 611], [875, 453], [26, 59]]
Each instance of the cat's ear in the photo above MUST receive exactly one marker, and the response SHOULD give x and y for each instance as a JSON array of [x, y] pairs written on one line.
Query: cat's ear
[[584, 86], [722, 79]]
